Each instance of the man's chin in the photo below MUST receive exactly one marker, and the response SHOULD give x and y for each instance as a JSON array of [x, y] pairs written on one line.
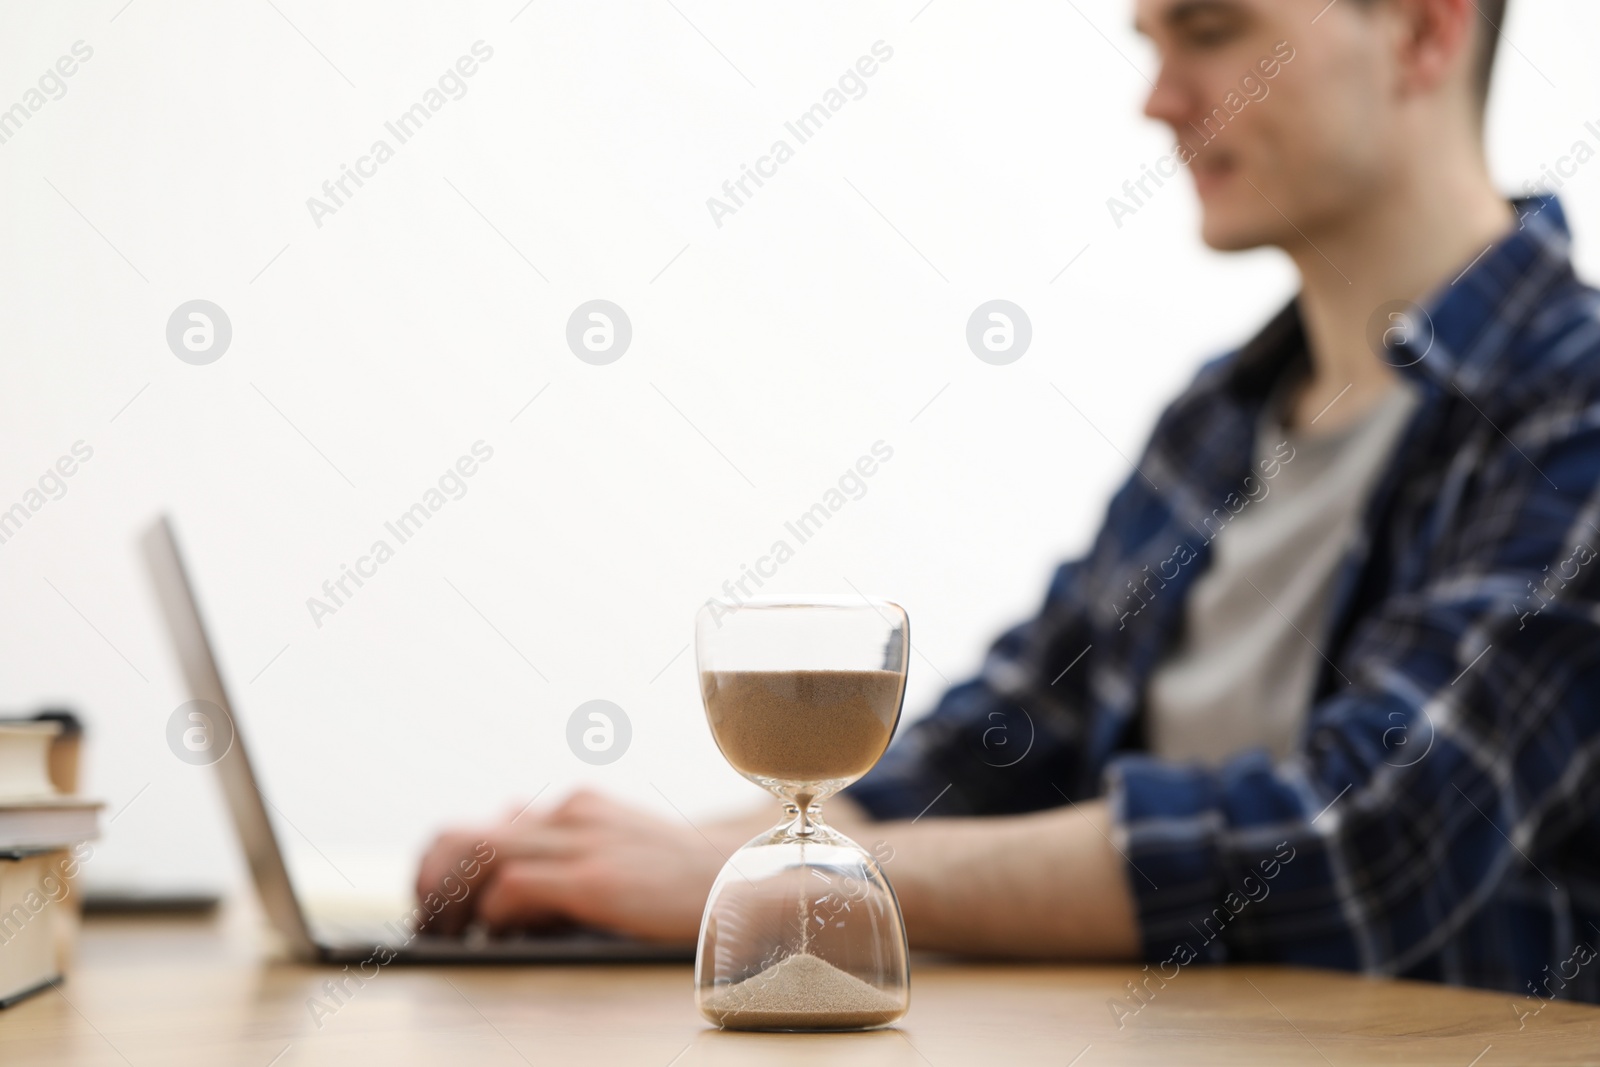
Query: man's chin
[[1225, 232]]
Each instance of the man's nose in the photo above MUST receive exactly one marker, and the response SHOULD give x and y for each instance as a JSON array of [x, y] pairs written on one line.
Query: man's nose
[[1167, 101]]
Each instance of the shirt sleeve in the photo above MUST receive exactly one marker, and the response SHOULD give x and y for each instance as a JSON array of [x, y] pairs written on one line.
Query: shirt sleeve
[[1028, 701], [1456, 756]]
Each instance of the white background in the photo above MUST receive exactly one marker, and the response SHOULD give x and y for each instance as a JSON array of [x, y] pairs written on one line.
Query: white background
[[406, 328]]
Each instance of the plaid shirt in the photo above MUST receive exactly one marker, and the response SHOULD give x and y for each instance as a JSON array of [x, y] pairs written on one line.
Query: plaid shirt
[[1440, 818]]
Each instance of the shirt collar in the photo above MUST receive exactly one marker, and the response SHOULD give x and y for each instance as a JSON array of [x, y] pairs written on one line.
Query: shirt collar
[[1468, 325], [1459, 338]]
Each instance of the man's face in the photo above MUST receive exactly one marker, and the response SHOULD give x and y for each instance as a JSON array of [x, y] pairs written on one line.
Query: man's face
[[1293, 125]]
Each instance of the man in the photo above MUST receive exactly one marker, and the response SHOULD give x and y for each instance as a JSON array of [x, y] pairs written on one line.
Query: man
[[1326, 690]]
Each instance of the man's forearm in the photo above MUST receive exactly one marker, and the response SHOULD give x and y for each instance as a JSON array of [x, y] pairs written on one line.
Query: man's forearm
[[1048, 884], [1043, 885]]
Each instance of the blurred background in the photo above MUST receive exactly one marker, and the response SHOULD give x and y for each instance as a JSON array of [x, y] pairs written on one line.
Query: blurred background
[[375, 344]]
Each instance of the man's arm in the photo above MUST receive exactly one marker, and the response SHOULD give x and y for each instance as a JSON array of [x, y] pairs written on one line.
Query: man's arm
[[1044, 885]]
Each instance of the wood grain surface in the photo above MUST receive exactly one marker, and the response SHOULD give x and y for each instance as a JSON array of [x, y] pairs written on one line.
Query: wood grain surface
[[179, 992]]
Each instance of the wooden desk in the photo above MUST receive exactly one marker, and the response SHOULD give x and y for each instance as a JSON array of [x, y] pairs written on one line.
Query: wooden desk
[[176, 992]]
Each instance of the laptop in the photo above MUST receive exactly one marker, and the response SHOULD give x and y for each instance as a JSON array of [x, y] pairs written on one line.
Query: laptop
[[346, 939]]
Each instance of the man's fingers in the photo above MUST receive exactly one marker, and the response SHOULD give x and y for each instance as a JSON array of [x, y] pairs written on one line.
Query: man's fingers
[[508, 879], [451, 871], [447, 853], [473, 854], [542, 843], [526, 893]]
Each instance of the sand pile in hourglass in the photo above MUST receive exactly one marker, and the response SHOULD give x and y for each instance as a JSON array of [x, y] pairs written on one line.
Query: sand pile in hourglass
[[803, 727], [804, 989]]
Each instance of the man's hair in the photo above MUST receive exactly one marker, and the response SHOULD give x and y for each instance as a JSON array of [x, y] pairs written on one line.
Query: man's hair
[[1491, 14]]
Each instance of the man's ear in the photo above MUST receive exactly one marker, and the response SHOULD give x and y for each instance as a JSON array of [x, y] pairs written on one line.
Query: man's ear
[[1435, 44]]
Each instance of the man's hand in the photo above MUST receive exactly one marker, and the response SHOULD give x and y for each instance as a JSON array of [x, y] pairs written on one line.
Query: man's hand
[[590, 861], [1045, 885]]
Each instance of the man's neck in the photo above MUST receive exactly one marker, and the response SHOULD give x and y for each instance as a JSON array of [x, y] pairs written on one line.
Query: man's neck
[[1417, 237]]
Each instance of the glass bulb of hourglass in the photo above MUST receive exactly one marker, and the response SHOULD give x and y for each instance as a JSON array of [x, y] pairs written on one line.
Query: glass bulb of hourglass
[[802, 930]]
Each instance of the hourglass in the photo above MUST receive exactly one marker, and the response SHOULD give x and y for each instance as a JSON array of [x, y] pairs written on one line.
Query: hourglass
[[802, 930]]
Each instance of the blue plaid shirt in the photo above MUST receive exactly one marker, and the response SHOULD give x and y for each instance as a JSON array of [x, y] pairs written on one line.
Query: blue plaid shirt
[[1440, 818]]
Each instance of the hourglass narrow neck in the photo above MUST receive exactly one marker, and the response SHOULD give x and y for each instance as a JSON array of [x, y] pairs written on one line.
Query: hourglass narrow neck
[[805, 820]]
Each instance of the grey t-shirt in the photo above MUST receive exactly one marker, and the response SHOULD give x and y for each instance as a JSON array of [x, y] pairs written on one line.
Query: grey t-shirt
[[1241, 672]]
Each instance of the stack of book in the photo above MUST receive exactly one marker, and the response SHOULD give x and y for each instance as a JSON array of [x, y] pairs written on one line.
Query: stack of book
[[44, 839]]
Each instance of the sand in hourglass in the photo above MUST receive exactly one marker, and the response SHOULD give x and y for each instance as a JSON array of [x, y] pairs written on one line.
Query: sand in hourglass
[[802, 726], [803, 993]]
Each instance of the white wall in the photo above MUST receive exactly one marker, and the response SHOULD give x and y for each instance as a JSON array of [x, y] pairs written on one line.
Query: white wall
[[405, 328]]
